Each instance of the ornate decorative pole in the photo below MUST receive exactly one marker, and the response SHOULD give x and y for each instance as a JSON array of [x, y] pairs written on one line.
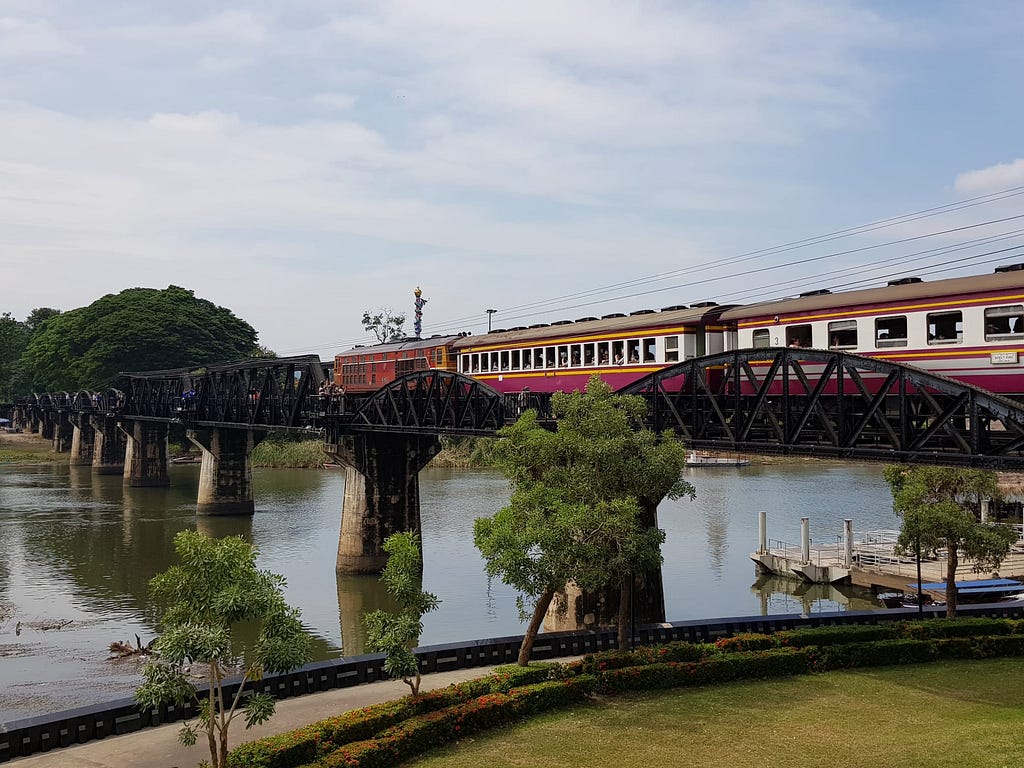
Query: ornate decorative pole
[[420, 301]]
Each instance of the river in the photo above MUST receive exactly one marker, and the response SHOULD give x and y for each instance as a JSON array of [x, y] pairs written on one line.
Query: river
[[77, 551]]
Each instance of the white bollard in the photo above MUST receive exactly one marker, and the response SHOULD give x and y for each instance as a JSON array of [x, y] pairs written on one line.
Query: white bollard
[[805, 539], [848, 542], [762, 532]]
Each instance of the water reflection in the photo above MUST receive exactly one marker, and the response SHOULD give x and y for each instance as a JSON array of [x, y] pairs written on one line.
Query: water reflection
[[778, 594], [82, 547]]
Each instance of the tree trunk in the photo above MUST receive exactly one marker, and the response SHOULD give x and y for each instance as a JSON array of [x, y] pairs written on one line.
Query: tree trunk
[[531, 631], [625, 611], [210, 724], [952, 561]]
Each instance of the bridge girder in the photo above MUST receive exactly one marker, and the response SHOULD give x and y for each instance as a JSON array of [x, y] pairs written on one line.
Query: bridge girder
[[826, 403]]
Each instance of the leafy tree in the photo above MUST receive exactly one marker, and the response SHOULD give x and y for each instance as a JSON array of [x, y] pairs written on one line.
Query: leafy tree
[[215, 588], [583, 501], [38, 316], [385, 325], [136, 330], [14, 337], [937, 506], [396, 634]]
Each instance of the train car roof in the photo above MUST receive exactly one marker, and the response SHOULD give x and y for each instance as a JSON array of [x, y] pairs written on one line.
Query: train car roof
[[560, 330], [925, 289], [400, 346]]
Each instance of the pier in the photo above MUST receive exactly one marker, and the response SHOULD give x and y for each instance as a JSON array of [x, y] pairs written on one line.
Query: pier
[[867, 559]]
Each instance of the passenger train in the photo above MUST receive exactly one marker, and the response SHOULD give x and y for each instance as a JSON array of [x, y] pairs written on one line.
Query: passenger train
[[968, 328]]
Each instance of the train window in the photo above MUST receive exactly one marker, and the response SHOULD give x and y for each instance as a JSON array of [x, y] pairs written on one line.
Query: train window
[[1004, 322], [650, 348], [798, 336], [633, 351], [604, 355], [563, 357], [671, 349], [946, 327], [588, 354], [762, 338], [515, 359], [538, 358], [527, 358], [842, 334], [576, 355], [549, 357], [617, 357], [891, 331]]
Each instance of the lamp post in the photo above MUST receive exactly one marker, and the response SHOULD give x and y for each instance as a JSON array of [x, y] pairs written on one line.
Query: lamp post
[[489, 312]]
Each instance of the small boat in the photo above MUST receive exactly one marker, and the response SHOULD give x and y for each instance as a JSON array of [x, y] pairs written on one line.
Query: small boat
[[980, 590], [705, 460]]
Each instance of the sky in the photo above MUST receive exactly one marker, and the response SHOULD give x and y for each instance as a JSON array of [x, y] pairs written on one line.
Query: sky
[[301, 162]]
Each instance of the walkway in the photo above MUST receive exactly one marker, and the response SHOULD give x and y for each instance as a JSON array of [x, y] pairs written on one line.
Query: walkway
[[159, 748]]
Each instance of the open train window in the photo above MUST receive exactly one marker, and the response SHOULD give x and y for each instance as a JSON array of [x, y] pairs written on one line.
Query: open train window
[[549, 357], [798, 336], [515, 359], [617, 357], [538, 358], [563, 357], [575, 355], [762, 338], [1004, 322], [650, 347], [891, 331], [495, 361], [946, 327], [632, 351], [842, 334], [671, 349], [604, 355]]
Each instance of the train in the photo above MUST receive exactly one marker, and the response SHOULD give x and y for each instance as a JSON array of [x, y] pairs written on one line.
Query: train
[[967, 328]]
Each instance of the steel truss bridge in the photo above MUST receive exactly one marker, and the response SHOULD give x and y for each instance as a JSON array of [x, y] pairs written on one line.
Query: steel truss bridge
[[781, 401]]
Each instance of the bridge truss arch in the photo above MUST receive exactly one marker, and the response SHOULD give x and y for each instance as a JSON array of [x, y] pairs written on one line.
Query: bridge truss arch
[[832, 404], [432, 402]]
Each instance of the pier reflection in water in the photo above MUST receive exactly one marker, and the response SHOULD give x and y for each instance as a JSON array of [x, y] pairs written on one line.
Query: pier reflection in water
[[77, 551]]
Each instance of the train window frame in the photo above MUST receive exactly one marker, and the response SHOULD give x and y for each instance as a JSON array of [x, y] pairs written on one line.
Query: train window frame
[[618, 358], [839, 334], [671, 349], [589, 354], [515, 358], [887, 323], [761, 338], [562, 358], [495, 362], [945, 335], [800, 335], [992, 332], [550, 357], [526, 359], [633, 351], [649, 348], [575, 355], [503, 360], [538, 358], [604, 349]]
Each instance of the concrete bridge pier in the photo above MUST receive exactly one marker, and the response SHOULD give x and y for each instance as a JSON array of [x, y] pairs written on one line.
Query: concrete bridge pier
[[145, 458], [574, 608], [225, 477], [63, 432], [83, 440], [109, 446], [46, 426], [382, 493]]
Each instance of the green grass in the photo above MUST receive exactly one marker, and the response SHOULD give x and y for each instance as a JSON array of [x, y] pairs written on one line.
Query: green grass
[[287, 453], [963, 714]]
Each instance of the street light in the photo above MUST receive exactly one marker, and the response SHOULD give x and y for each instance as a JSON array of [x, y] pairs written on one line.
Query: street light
[[489, 313]]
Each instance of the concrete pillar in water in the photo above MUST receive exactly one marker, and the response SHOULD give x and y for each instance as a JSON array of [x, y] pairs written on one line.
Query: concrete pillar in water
[[382, 494], [145, 459], [805, 539], [848, 543], [83, 440], [574, 608], [63, 432], [109, 449], [225, 478], [762, 532], [46, 426]]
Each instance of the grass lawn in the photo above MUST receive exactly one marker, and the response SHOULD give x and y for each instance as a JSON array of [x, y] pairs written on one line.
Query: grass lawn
[[964, 714]]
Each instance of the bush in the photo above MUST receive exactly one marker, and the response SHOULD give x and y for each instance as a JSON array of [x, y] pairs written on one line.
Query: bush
[[745, 642], [874, 654], [822, 636], [955, 628]]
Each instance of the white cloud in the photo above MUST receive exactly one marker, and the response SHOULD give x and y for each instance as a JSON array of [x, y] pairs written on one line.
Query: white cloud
[[991, 179], [338, 101], [20, 38]]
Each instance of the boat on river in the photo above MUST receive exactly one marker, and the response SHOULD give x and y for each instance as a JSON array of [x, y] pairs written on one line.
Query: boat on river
[[707, 460], [977, 591]]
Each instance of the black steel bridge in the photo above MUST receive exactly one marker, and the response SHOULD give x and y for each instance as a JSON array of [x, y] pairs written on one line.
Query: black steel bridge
[[775, 401]]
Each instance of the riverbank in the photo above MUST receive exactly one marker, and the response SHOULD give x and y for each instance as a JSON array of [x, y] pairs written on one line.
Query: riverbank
[[27, 448]]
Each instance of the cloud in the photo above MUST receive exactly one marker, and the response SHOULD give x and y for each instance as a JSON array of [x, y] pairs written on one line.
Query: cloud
[[991, 179], [22, 38], [338, 101]]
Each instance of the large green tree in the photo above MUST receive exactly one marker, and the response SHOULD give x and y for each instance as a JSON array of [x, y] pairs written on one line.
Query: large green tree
[[940, 510], [583, 501], [14, 337], [214, 591], [138, 329]]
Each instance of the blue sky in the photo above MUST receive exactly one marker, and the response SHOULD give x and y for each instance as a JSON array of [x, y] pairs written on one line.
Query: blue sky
[[299, 162]]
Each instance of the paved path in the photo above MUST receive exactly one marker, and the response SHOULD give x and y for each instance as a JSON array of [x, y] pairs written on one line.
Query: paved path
[[159, 748]]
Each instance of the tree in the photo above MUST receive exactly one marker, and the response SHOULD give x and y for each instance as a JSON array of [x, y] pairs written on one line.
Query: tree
[[38, 316], [583, 501], [138, 329], [14, 337], [386, 325], [937, 506], [396, 634], [216, 588]]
